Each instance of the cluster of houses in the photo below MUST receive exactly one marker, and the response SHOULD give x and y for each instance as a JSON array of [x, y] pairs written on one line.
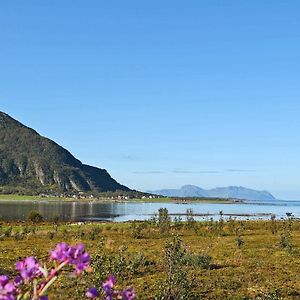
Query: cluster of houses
[[82, 195]]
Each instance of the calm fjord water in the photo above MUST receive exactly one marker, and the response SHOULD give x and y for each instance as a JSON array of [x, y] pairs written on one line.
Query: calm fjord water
[[126, 211]]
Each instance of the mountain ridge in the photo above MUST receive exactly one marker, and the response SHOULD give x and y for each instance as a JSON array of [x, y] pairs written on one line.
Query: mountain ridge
[[236, 192], [31, 161]]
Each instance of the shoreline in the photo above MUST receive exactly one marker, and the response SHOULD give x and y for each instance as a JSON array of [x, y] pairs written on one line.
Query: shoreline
[[5, 197]]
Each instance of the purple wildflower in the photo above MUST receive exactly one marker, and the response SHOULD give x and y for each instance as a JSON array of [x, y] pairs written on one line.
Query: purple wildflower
[[108, 285], [81, 258], [92, 293], [18, 281], [76, 256], [128, 294], [60, 253], [7, 290], [29, 268]]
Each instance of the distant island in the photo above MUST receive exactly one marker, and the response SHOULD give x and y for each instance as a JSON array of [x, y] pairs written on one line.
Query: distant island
[[233, 192], [32, 164]]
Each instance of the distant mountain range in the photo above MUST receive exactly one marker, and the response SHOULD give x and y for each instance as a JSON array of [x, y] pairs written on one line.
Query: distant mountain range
[[32, 163], [236, 192]]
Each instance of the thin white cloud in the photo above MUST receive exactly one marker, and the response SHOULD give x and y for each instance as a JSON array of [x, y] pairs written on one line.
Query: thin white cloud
[[148, 172], [195, 172], [239, 170]]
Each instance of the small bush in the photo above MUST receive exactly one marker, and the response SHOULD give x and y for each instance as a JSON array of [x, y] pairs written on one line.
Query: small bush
[[138, 262], [18, 236], [164, 221], [35, 217], [94, 233], [238, 239], [51, 235], [137, 229], [273, 224], [285, 241], [176, 285], [202, 261], [8, 232]]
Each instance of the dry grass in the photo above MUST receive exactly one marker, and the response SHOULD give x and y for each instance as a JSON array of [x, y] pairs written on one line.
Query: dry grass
[[255, 270]]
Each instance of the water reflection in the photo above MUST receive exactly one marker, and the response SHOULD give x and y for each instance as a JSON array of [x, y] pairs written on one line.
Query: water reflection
[[112, 211]]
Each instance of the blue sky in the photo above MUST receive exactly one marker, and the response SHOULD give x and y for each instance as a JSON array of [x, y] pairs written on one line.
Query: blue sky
[[161, 93]]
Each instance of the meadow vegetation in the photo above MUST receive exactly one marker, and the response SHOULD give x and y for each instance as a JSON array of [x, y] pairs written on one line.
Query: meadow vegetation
[[108, 197], [164, 259]]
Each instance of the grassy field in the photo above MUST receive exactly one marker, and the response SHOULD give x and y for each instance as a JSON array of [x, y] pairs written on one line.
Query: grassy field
[[216, 260], [31, 198], [10, 197]]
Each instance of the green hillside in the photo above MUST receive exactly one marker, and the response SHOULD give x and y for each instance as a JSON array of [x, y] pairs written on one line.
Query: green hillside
[[30, 163]]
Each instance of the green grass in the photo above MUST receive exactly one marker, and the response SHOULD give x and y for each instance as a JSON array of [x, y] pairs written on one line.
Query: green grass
[[255, 270], [147, 200], [31, 198]]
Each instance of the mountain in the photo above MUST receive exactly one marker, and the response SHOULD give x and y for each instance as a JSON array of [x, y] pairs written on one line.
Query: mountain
[[185, 191], [240, 192], [236, 192], [30, 162]]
